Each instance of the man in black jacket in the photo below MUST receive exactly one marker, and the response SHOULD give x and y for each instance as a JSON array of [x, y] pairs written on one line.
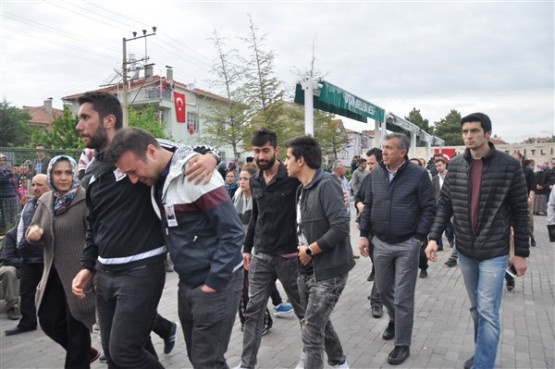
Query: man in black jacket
[[32, 260], [124, 237], [399, 209], [485, 192]]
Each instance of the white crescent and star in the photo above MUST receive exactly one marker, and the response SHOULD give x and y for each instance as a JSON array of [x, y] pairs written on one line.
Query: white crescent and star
[[179, 103]]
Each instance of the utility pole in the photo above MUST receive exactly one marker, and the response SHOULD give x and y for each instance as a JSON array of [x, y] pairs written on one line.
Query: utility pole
[[124, 70]]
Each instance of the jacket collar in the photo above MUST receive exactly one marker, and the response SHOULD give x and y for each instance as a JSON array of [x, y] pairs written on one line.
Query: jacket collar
[[486, 158]]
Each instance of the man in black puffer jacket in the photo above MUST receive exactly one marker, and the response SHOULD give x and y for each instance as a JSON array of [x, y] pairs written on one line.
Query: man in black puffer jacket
[[485, 192]]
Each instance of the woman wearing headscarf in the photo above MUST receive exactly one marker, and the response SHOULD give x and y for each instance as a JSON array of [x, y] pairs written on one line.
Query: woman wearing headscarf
[[59, 222]]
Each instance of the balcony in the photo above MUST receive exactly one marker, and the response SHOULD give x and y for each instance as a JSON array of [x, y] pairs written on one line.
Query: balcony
[[148, 95]]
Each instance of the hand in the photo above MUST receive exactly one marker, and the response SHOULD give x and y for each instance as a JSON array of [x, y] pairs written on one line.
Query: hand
[[530, 201], [431, 251], [80, 282], [360, 207], [303, 256], [345, 197], [201, 168], [34, 233], [520, 264], [363, 245], [204, 288], [246, 261]]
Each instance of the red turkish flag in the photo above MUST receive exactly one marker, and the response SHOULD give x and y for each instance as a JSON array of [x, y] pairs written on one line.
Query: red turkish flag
[[179, 100]]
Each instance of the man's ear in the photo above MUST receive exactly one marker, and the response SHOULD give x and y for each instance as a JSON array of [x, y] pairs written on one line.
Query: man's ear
[[277, 149], [109, 121], [488, 134]]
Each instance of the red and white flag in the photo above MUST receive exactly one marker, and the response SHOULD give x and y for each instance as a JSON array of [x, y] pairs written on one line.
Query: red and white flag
[[179, 100]]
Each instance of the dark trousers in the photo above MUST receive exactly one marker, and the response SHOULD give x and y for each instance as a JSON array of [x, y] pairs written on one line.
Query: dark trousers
[[207, 320], [30, 278], [58, 324], [126, 302], [162, 326], [268, 321]]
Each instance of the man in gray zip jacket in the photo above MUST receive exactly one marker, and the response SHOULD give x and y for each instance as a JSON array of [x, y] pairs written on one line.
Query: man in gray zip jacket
[[324, 250]]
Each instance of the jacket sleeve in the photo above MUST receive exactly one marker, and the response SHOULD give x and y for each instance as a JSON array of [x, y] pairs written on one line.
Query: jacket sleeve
[[90, 251], [331, 198], [226, 223], [444, 210], [249, 238], [359, 195], [10, 254], [365, 227], [519, 213], [427, 204]]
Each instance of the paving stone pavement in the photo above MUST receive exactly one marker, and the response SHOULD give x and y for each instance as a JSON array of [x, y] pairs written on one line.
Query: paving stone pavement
[[442, 335]]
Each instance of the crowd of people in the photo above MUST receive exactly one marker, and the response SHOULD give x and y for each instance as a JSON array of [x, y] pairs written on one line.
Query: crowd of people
[[91, 243]]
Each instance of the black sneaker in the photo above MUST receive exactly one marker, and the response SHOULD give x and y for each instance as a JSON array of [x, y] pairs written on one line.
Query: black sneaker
[[169, 342], [533, 242], [468, 364], [451, 262], [510, 285], [370, 277], [389, 332], [423, 273]]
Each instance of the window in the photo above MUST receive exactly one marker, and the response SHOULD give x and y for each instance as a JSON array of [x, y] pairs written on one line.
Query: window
[[193, 118]]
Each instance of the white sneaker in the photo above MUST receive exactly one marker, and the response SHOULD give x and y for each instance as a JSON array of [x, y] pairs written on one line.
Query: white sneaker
[[341, 366], [300, 365]]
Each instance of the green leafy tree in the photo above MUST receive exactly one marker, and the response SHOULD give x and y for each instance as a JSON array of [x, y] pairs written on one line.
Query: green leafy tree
[[226, 121], [449, 129], [262, 88], [147, 119], [61, 135], [14, 130], [330, 136], [416, 117]]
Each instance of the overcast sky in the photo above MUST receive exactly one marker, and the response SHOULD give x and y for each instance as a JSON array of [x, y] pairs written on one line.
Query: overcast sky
[[495, 57]]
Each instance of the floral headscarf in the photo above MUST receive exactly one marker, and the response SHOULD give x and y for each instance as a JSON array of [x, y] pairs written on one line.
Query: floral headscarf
[[62, 201]]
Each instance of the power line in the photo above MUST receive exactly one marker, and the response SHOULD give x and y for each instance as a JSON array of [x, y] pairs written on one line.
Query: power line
[[57, 31]]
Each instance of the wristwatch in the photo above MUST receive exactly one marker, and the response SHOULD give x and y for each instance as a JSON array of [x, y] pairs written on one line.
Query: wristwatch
[[308, 251]]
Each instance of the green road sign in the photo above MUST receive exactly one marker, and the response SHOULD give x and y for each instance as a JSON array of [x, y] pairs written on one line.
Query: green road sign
[[333, 99]]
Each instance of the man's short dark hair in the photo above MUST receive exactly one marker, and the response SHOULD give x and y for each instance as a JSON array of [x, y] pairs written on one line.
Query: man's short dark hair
[[440, 159], [361, 161], [262, 136], [104, 104], [484, 120], [133, 140], [376, 152], [308, 148]]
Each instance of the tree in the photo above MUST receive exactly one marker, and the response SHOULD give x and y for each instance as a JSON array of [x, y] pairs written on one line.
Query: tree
[[61, 135], [416, 117], [262, 88], [13, 126], [449, 129], [147, 119], [225, 122], [330, 136]]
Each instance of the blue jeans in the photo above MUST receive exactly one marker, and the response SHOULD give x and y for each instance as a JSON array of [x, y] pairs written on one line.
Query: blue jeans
[[126, 302], [207, 320], [263, 272], [484, 284], [319, 299]]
